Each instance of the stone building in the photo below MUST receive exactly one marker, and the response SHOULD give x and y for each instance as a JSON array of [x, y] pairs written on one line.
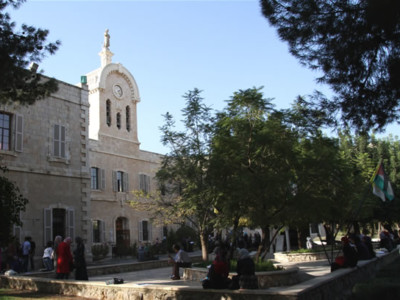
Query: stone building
[[118, 166], [77, 158], [45, 148]]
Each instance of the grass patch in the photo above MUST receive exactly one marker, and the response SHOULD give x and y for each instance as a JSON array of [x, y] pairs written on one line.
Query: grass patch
[[264, 266]]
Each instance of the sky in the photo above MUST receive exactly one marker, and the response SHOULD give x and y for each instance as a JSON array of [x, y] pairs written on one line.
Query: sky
[[170, 48]]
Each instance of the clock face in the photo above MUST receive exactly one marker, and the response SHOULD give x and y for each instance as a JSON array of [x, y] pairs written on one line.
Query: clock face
[[117, 91]]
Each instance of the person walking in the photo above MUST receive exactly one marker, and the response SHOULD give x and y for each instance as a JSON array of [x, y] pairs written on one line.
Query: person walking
[[181, 259], [57, 241], [26, 249], [32, 254], [64, 259], [79, 260]]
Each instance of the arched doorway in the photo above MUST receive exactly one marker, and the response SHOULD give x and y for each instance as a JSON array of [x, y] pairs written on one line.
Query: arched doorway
[[122, 236]]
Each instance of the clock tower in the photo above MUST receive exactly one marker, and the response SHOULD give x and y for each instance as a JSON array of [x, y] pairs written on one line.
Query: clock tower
[[113, 95]]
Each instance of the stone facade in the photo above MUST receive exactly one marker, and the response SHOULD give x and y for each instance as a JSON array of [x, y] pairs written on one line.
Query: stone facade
[[118, 166], [47, 157], [77, 158]]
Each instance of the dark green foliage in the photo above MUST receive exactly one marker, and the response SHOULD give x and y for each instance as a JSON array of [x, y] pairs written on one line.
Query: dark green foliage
[[356, 46], [11, 204], [263, 266], [17, 50], [184, 232]]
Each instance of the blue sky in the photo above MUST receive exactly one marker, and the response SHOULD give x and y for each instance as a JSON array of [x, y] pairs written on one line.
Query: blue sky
[[171, 47]]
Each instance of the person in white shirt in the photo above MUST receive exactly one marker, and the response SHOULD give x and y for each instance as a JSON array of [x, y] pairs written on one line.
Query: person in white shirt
[[26, 249], [48, 256], [181, 259]]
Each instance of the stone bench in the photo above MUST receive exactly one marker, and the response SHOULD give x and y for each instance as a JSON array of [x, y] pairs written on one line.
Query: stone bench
[[301, 257], [287, 277]]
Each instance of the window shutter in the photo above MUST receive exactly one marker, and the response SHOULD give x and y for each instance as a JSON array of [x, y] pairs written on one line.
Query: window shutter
[[56, 140], [125, 182], [114, 181], [141, 182], [140, 226], [19, 138], [71, 223], [147, 184], [62, 142], [91, 230], [48, 228], [102, 231], [150, 229], [102, 179]]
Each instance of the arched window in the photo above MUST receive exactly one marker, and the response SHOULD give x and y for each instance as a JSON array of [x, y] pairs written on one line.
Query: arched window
[[128, 118], [108, 112], [119, 120]]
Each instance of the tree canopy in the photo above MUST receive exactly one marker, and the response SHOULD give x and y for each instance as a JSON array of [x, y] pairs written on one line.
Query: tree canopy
[[11, 204], [356, 45], [19, 49]]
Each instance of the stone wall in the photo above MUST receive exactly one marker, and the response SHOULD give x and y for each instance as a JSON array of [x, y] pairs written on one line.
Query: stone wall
[[300, 257], [266, 280], [333, 286]]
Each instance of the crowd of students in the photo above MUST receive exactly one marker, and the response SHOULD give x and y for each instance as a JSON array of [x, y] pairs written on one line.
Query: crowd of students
[[57, 255]]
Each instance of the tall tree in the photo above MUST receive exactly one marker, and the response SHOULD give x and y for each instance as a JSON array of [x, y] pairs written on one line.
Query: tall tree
[[355, 44], [183, 173], [11, 204], [19, 49]]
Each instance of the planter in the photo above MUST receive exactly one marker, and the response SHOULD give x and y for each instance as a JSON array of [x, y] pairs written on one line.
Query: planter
[[266, 280], [300, 257]]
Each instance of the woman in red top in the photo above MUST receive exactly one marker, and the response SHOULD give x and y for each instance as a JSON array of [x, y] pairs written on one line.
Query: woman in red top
[[217, 277], [64, 259]]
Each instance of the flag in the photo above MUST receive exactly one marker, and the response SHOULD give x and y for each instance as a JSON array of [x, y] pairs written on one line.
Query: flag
[[381, 186]]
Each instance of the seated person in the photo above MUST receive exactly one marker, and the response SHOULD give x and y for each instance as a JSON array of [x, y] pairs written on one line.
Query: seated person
[[350, 255], [362, 249], [386, 238], [181, 259], [368, 242], [217, 277], [245, 278]]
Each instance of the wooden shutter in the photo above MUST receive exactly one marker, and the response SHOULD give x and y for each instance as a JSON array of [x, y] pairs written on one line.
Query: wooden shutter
[[19, 137], [114, 181], [102, 179], [147, 184], [62, 141], [150, 230], [125, 182], [102, 231], [48, 228], [70, 223], [91, 230], [140, 227], [56, 140]]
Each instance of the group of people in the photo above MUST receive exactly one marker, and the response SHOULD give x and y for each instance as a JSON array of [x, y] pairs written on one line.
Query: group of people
[[389, 238], [355, 247], [217, 277], [66, 261], [57, 256], [18, 257]]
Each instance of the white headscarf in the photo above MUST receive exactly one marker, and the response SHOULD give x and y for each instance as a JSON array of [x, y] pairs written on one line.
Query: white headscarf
[[243, 253]]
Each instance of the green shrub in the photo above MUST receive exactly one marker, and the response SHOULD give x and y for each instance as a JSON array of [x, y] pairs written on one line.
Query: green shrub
[[100, 250], [263, 266]]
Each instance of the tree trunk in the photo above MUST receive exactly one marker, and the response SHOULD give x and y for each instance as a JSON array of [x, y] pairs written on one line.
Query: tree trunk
[[203, 243], [269, 241], [233, 238], [263, 245]]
